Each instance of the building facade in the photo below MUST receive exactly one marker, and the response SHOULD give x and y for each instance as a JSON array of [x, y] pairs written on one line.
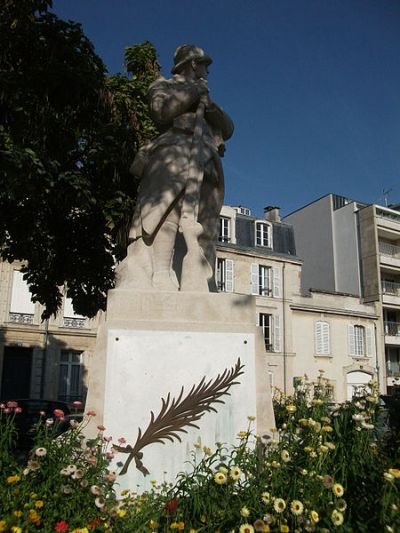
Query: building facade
[[353, 247], [304, 332], [40, 359]]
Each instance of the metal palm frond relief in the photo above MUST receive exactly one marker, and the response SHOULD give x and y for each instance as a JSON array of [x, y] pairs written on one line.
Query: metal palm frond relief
[[179, 413]]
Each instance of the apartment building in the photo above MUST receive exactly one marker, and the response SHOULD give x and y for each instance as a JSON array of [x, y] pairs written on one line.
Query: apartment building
[[304, 332], [353, 247]]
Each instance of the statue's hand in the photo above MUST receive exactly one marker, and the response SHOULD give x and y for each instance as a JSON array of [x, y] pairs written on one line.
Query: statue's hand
[[202, 86]]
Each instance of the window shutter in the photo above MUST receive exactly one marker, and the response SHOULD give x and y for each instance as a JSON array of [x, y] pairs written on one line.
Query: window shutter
[[69, 310], [318, 338], [228, 275], [21, 297], [351, 340], [276, 282], [254, 279], [325, 338], [277, 333], [369, 333]]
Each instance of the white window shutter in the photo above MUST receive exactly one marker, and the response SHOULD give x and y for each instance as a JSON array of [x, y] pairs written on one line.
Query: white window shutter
[[21, 297], [369, 333], [277, 333], [325, 338], [69, 310], [276, 282], [254, 279], [228, 275], [351, 340], [318, 337]]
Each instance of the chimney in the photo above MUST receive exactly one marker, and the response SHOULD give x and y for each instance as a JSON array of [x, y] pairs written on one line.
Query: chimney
[[272, 214]]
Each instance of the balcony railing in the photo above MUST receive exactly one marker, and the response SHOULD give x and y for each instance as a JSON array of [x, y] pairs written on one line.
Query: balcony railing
[[393, 217], [392, 329], [390, 287], [391, 250], [78, 323], [21, 318]]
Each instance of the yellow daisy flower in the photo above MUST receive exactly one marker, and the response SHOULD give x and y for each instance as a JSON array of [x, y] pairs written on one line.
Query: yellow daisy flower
[[338, 490], [297, 507], [235, 473], [337, 518], [244, 512], [246, 528], [220, 478], [279, 505]]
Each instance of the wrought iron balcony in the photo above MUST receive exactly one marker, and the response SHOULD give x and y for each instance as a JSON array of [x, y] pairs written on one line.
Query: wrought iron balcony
[[390, 287], [391, 250], [392, 329]]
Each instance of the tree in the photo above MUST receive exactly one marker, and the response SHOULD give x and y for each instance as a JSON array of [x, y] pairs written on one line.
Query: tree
[[68, 134]]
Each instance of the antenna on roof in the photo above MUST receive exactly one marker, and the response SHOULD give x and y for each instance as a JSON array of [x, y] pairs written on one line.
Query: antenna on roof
[[386, 195]]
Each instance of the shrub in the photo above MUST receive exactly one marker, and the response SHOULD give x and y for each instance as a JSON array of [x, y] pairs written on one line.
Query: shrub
[[321, 469]]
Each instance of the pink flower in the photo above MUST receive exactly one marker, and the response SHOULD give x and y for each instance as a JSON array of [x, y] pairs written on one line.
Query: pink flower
[[107, 439], [109, 455], [42, 413], [91, 413], [121, 440], [12, 405], [100, 427], [58, 413], [2, 405], [91, 460], [6, 410], [18, 410]]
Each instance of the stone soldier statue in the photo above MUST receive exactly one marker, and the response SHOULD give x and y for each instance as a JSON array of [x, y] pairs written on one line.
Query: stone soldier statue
[[182, 182]]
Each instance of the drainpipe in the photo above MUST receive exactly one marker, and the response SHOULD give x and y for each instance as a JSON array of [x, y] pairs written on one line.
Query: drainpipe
[[376, 356], [44, 357], [284, 329]]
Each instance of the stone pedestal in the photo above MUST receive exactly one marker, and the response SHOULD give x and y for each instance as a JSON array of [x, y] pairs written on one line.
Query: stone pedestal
[[153, 344]]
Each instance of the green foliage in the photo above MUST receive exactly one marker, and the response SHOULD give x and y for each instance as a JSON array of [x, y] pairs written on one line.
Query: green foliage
[[68, 135], [321, 470]]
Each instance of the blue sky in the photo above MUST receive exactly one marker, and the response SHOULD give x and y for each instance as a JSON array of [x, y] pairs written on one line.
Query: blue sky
[[313, 87]]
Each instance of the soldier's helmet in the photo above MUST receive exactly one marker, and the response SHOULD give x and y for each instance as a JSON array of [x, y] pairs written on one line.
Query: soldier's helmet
[[187, 52]]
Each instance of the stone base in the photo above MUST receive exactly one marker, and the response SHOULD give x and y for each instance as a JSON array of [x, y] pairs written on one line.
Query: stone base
[[152, 345]]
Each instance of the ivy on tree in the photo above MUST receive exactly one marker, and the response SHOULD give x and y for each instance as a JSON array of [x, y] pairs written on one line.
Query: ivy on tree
[[68, 135]]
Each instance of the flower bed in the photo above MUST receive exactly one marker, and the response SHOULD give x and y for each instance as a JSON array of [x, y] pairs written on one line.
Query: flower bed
[[322, 469]]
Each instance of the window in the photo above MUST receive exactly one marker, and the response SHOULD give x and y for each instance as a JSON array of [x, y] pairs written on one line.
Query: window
[[263, 234], [393, 361], [224, 274], [224, 229], [322, 340], [361, 341], [243, 210], [70, 318], [271, 331], [265, 280], [22, 309], [70, 386]]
